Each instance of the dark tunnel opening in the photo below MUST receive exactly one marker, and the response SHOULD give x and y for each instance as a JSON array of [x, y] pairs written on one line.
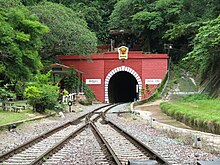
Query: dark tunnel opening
[[122, 88]]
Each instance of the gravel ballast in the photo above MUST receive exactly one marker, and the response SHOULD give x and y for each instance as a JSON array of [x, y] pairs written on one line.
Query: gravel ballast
[[32, 129], [160, 142], [181, 153]]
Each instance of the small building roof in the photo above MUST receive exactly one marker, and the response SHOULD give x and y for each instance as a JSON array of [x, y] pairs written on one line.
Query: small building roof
[[62, 68]]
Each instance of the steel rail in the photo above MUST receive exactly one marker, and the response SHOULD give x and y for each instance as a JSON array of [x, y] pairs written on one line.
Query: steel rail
[[18, 149], [104, 113], [138, 143], [108, 147], [110, 151], [44, 156]]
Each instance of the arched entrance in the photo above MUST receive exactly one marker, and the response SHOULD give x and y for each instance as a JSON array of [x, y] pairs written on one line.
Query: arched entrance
[[122, 84], [122, 88]]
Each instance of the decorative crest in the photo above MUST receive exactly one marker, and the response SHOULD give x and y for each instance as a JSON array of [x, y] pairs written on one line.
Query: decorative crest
[[123, 53]]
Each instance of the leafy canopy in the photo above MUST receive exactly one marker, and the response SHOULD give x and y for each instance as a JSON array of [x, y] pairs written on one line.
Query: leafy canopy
[[68, 34], [146, 20], [20, 33], [205, 53]]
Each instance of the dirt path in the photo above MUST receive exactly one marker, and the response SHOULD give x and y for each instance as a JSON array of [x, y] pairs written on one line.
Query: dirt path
[[153, 109]]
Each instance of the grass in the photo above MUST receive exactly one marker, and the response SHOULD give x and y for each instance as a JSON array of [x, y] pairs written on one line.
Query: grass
[[9, 117], [202, 114]]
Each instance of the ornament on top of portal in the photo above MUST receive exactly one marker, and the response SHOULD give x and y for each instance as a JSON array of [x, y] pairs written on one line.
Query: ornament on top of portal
[[123, 53]]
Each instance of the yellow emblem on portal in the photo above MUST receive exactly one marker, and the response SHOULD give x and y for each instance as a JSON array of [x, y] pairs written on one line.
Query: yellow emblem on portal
[[123, 53]]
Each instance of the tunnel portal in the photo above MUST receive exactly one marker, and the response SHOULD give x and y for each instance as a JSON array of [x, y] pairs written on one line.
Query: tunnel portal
[[122, 88]]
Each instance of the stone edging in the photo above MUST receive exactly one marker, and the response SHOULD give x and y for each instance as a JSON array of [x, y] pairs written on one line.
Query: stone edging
[[26, 120], [208, 139]]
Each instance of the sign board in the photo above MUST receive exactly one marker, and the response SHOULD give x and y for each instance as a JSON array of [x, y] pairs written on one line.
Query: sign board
[[93, 81], [153, 81], [123, 53]]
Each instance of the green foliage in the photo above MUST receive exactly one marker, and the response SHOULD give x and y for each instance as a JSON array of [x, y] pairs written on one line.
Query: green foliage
[[96, 13], [148, 89], [2, 68], [206, 50], [182, 30], [90, 13], [30, 2], [148, 20], [20, 34], [65, 92], [85, 102], [4, 94], [68, 33], [41, 94], [121, 16], [144, 19], [72, 84], [170, 10], [88, 92], [199, 10], [10, 3], [19, 89], [195, 97]]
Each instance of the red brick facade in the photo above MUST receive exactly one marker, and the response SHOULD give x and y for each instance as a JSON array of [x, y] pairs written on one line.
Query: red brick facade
[[99, 69]]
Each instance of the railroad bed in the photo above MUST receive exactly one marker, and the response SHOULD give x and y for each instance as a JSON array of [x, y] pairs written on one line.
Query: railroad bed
[[83, 149], [30, 154], [90, 139], [122, 147]]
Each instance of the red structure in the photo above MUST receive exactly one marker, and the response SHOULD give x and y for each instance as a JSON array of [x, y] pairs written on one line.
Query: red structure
[[124, 80]]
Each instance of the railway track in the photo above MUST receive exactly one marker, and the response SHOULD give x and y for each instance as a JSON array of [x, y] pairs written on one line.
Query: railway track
[[124, 148], [108, 144], [22, 154]]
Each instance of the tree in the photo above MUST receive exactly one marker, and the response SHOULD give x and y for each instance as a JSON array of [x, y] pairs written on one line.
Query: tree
[[20, 33], [30, 2], [68, 34], [90, 14], [147, 20], [204, 58], [186, 27], [10, 3], [96, 13]]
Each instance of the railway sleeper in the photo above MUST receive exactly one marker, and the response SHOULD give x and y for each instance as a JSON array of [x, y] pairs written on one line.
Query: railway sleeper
[[211, 162], [142, 162]]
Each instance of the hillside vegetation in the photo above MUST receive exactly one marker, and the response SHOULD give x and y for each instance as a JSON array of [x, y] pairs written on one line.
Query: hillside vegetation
[[33, 32]]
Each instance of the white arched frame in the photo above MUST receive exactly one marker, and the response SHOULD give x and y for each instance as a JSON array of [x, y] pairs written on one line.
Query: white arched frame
[[119, 69]]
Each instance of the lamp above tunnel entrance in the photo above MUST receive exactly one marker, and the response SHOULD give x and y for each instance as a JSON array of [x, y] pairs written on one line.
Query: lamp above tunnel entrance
[[122, 88]]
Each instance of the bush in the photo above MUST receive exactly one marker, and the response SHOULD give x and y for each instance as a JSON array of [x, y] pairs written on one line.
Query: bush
[[89, 93], [71, 82], [42, 97], [4, 94], [85, 102], [19, 90], [41, 94]]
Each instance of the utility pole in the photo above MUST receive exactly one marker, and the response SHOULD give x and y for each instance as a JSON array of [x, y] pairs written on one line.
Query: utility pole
[[167, 47]]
